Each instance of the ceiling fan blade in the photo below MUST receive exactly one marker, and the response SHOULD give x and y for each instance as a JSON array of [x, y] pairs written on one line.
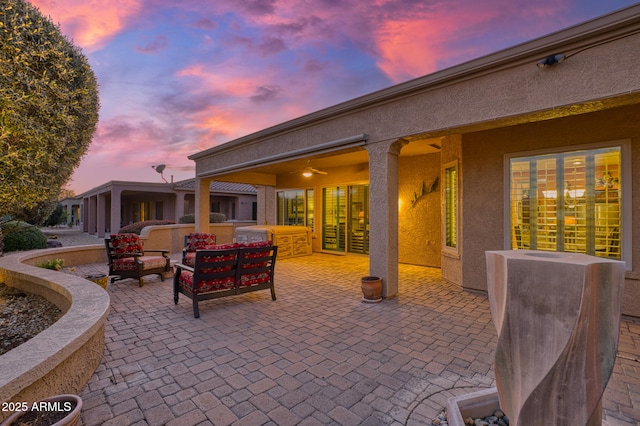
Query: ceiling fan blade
[[320, 172]]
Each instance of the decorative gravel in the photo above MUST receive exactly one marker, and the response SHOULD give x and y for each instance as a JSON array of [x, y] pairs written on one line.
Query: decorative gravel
[[22, 316], [498, 418]]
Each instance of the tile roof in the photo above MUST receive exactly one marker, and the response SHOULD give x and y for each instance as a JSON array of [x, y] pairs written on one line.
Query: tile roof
[[217, 186]]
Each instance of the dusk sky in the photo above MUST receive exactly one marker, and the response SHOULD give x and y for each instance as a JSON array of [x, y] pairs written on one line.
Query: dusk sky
[[177, 77]]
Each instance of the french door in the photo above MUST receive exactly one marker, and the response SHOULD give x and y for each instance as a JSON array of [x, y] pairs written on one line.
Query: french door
[[345, 219]]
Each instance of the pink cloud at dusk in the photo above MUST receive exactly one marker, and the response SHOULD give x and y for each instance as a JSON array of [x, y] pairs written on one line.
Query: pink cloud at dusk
[[179, 77], [90, 24]]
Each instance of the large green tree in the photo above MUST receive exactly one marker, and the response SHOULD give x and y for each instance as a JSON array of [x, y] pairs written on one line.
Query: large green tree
[[48, 108]]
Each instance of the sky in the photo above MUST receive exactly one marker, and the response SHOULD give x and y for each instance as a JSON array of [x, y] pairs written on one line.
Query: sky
[[178, 77]]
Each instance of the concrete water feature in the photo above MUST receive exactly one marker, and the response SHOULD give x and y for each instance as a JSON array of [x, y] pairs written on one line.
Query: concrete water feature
[[557, 316]]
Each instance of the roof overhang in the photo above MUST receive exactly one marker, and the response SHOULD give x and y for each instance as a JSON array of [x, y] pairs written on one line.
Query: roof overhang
[[344, 145]]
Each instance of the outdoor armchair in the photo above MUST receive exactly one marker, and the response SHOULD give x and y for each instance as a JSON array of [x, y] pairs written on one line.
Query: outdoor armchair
[[127, 258]]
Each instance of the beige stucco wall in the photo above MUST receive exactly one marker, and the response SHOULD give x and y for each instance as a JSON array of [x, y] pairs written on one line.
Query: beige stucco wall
[[483, 183], [451, 259], [419, 232], [171, 237]]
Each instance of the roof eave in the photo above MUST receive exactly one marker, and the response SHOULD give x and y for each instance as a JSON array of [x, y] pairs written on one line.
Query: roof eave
[[593, 31]]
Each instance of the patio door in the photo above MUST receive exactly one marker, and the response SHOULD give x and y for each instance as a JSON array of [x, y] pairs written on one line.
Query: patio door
[[345, 219], [358, 219], [334, 206]]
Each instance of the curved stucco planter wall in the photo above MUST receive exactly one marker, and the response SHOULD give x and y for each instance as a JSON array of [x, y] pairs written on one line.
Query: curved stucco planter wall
[[62, 358]]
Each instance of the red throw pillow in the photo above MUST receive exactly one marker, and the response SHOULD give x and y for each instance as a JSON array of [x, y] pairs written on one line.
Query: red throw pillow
[[199, 241], [126, 243]]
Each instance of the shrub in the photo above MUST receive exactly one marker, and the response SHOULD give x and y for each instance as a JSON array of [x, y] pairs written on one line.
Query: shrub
[[22, 236], [55, 264], [58, 217], [136, 228], [213, 218], [48, 107]]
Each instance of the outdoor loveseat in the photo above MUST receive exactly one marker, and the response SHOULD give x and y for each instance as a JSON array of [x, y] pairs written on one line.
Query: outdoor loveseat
[[228, 270]]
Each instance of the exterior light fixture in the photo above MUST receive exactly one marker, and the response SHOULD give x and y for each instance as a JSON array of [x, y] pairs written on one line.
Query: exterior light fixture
[[307, 172], [550, 60]]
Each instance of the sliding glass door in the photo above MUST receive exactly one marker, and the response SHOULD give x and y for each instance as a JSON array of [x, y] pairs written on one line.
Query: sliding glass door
[[345, 219], [334, 203]]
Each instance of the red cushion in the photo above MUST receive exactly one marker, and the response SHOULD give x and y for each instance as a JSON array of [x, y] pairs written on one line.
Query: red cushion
[[190, 259], [255, 255], [130, 264], [199, 241], [124, 264], [211, 269], [205, 286], [224, 246], [153, 262], [255, 244], [248, 280], [126, 243]]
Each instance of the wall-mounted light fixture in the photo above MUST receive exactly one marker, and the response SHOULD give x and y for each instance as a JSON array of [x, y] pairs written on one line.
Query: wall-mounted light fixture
[[550, 60]]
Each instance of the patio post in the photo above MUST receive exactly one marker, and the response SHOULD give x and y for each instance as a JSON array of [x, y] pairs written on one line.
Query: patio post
[[101, 211], [179, 205], [266, 196], [116, 210], [203, 205], [383, 213]]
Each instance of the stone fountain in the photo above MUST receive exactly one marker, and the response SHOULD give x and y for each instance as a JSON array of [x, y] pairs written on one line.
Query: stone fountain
[[558, 318]]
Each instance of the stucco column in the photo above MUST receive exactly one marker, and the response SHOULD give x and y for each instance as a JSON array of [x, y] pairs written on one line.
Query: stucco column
[[266, 199], [179, 206], [383, 213], [116, 210], [101, 209], [93, 212], [85, 214], [203, 205]]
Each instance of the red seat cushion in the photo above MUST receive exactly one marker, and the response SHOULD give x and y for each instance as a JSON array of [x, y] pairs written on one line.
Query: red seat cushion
[[130, 264], [124, 264], [247, 280], [205, 286], [152, 262]]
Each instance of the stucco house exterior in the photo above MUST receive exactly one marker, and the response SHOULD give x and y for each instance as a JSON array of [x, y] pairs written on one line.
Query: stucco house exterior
[[116, 203], [72, 206], [531, 147]]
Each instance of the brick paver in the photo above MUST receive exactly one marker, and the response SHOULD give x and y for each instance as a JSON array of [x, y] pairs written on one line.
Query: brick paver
[[317, 355]]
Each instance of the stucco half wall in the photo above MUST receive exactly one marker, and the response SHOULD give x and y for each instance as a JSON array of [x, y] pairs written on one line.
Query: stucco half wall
[[62, 358]]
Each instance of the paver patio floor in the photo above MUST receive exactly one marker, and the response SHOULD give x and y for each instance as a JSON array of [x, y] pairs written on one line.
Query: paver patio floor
[[316, 355]]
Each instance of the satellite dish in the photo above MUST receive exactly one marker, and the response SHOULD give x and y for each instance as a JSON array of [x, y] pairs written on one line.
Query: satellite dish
[[160, 168]]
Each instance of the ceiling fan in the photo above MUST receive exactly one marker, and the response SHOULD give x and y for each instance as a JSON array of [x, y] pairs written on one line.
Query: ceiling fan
[[309, 171]]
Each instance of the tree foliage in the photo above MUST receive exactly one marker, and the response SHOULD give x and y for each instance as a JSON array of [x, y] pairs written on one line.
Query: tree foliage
[[48, 108]]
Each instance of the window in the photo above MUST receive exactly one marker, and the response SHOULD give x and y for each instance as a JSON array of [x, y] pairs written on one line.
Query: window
[[568, 201], [451, 205], [295, 207]]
